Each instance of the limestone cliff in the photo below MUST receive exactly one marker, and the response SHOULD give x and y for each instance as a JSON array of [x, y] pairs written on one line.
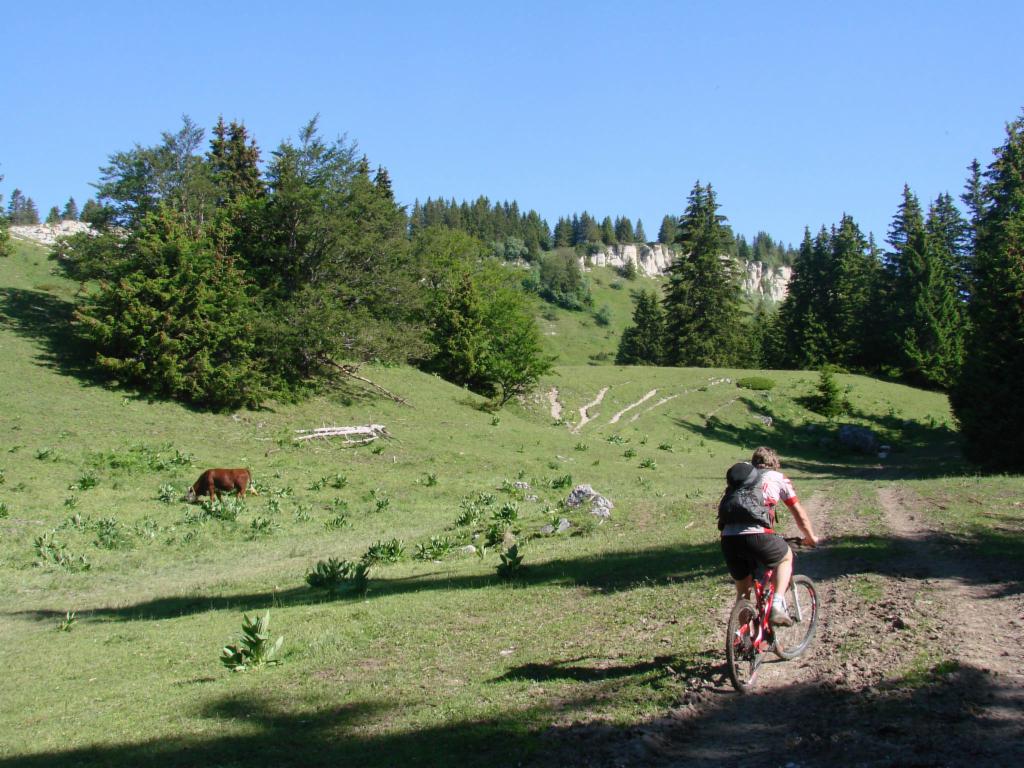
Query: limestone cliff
[[759, 280]]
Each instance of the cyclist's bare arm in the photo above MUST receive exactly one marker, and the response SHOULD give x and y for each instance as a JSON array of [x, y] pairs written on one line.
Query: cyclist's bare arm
[[803, 522]]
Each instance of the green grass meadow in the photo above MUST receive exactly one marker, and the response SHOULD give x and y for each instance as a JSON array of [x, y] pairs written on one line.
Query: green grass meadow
[[441, 659]]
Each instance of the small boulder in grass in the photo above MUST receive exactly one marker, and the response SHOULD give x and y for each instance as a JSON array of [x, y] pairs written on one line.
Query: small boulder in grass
[[583, 494]]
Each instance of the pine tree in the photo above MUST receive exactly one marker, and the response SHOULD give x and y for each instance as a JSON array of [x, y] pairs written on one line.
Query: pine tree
[[5, 237], [667, 232], [643, 343], [179, 323], [703, 295], [639, 236], [805, 339], [624, 230], [53, 217], [70, 212], [234, 161], [563, 237], [986, 398], [925, 320], [31, 213], [608, 231]]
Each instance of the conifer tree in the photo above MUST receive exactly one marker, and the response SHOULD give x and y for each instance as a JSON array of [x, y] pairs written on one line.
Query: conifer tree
[[53, 217], [608, 232], [624, 230], [924, 320], [70, 212], [667, 232], [986, 398], [5, 236], [703, 295], [639, 236], [234, 161], [805, 339], [643, 343]]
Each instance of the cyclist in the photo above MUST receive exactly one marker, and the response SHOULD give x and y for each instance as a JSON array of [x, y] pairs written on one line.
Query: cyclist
[[747, 536]]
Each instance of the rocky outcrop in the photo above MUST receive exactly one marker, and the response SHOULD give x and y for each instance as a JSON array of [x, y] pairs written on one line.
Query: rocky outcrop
[[770, 283], [47, 234], [759, 280]]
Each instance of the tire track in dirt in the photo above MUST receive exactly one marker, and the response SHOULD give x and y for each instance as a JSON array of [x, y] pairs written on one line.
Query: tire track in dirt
[[924, 605]]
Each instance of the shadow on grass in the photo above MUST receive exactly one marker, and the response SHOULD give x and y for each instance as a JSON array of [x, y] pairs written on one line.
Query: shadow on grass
[[606, 572], [919, 449], [48, 319], [984, 557], [920, 721]]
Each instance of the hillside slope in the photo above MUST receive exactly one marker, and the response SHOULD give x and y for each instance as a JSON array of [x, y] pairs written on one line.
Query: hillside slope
[[610, 627]]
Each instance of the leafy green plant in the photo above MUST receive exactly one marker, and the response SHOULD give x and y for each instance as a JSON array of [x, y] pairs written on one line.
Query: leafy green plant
[[616, 439], [629, 453], [438, 548], [648, 464], [511, 565], [227, 508], [255, 649], [495, 421], [45, 453], [470, 514], [50, 551], [377, 450], [68, 622], [390, 551], [4, 509], [337, 522], [318, 485], [261, 526], [273, 506], [430, 480], [167, 494], [508, 513], [581, 446], [110, 534], [85, 482], [302, 513], [565, 481], [666, 447], [761, 383]]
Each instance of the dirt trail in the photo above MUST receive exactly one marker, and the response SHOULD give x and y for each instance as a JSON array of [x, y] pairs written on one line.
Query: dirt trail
[[556, 406], [918, 660], [631, 406], [585, 410]]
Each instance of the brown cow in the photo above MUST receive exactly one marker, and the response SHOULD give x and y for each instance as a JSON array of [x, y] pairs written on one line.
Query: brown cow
[[215, 481]]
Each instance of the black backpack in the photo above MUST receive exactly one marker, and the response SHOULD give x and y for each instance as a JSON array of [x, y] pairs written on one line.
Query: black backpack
[[743, 502]]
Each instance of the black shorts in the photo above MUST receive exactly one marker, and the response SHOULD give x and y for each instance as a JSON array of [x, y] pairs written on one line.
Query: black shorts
[[743, 554]]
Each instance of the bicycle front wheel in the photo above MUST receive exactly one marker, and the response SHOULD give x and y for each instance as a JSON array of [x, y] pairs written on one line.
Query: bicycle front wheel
[[802, 604], [742, 659]]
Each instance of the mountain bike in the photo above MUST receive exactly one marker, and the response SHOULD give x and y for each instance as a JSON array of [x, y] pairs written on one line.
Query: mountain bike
[[750, 636]]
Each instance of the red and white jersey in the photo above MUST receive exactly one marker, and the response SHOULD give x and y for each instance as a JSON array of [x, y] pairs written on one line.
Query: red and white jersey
[[777, 487]]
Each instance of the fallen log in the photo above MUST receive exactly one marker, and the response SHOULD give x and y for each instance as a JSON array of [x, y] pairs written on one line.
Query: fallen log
[[358, 435]]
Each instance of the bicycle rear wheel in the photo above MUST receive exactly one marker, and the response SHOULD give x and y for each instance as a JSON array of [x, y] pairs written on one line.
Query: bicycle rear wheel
[[802, 604], [742, 659]]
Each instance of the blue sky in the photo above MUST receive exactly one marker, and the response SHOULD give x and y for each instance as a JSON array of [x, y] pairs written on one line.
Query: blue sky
[[795, 112]]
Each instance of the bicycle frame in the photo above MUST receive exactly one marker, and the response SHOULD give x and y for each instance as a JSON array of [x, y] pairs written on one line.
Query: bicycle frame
[[762, 637]]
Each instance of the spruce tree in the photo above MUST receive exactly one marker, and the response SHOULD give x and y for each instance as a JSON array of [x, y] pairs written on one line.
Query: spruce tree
[[986, 398], [624, 230], [5, 236], [639, 236], [53, 217], [234, 161], [924, 320], [608, 232], [643, 343], [70, 212], [806, 342], [703, 294], [667, 232]]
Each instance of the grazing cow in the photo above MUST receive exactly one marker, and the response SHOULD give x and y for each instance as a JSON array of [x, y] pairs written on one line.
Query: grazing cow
[[216, 481]]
